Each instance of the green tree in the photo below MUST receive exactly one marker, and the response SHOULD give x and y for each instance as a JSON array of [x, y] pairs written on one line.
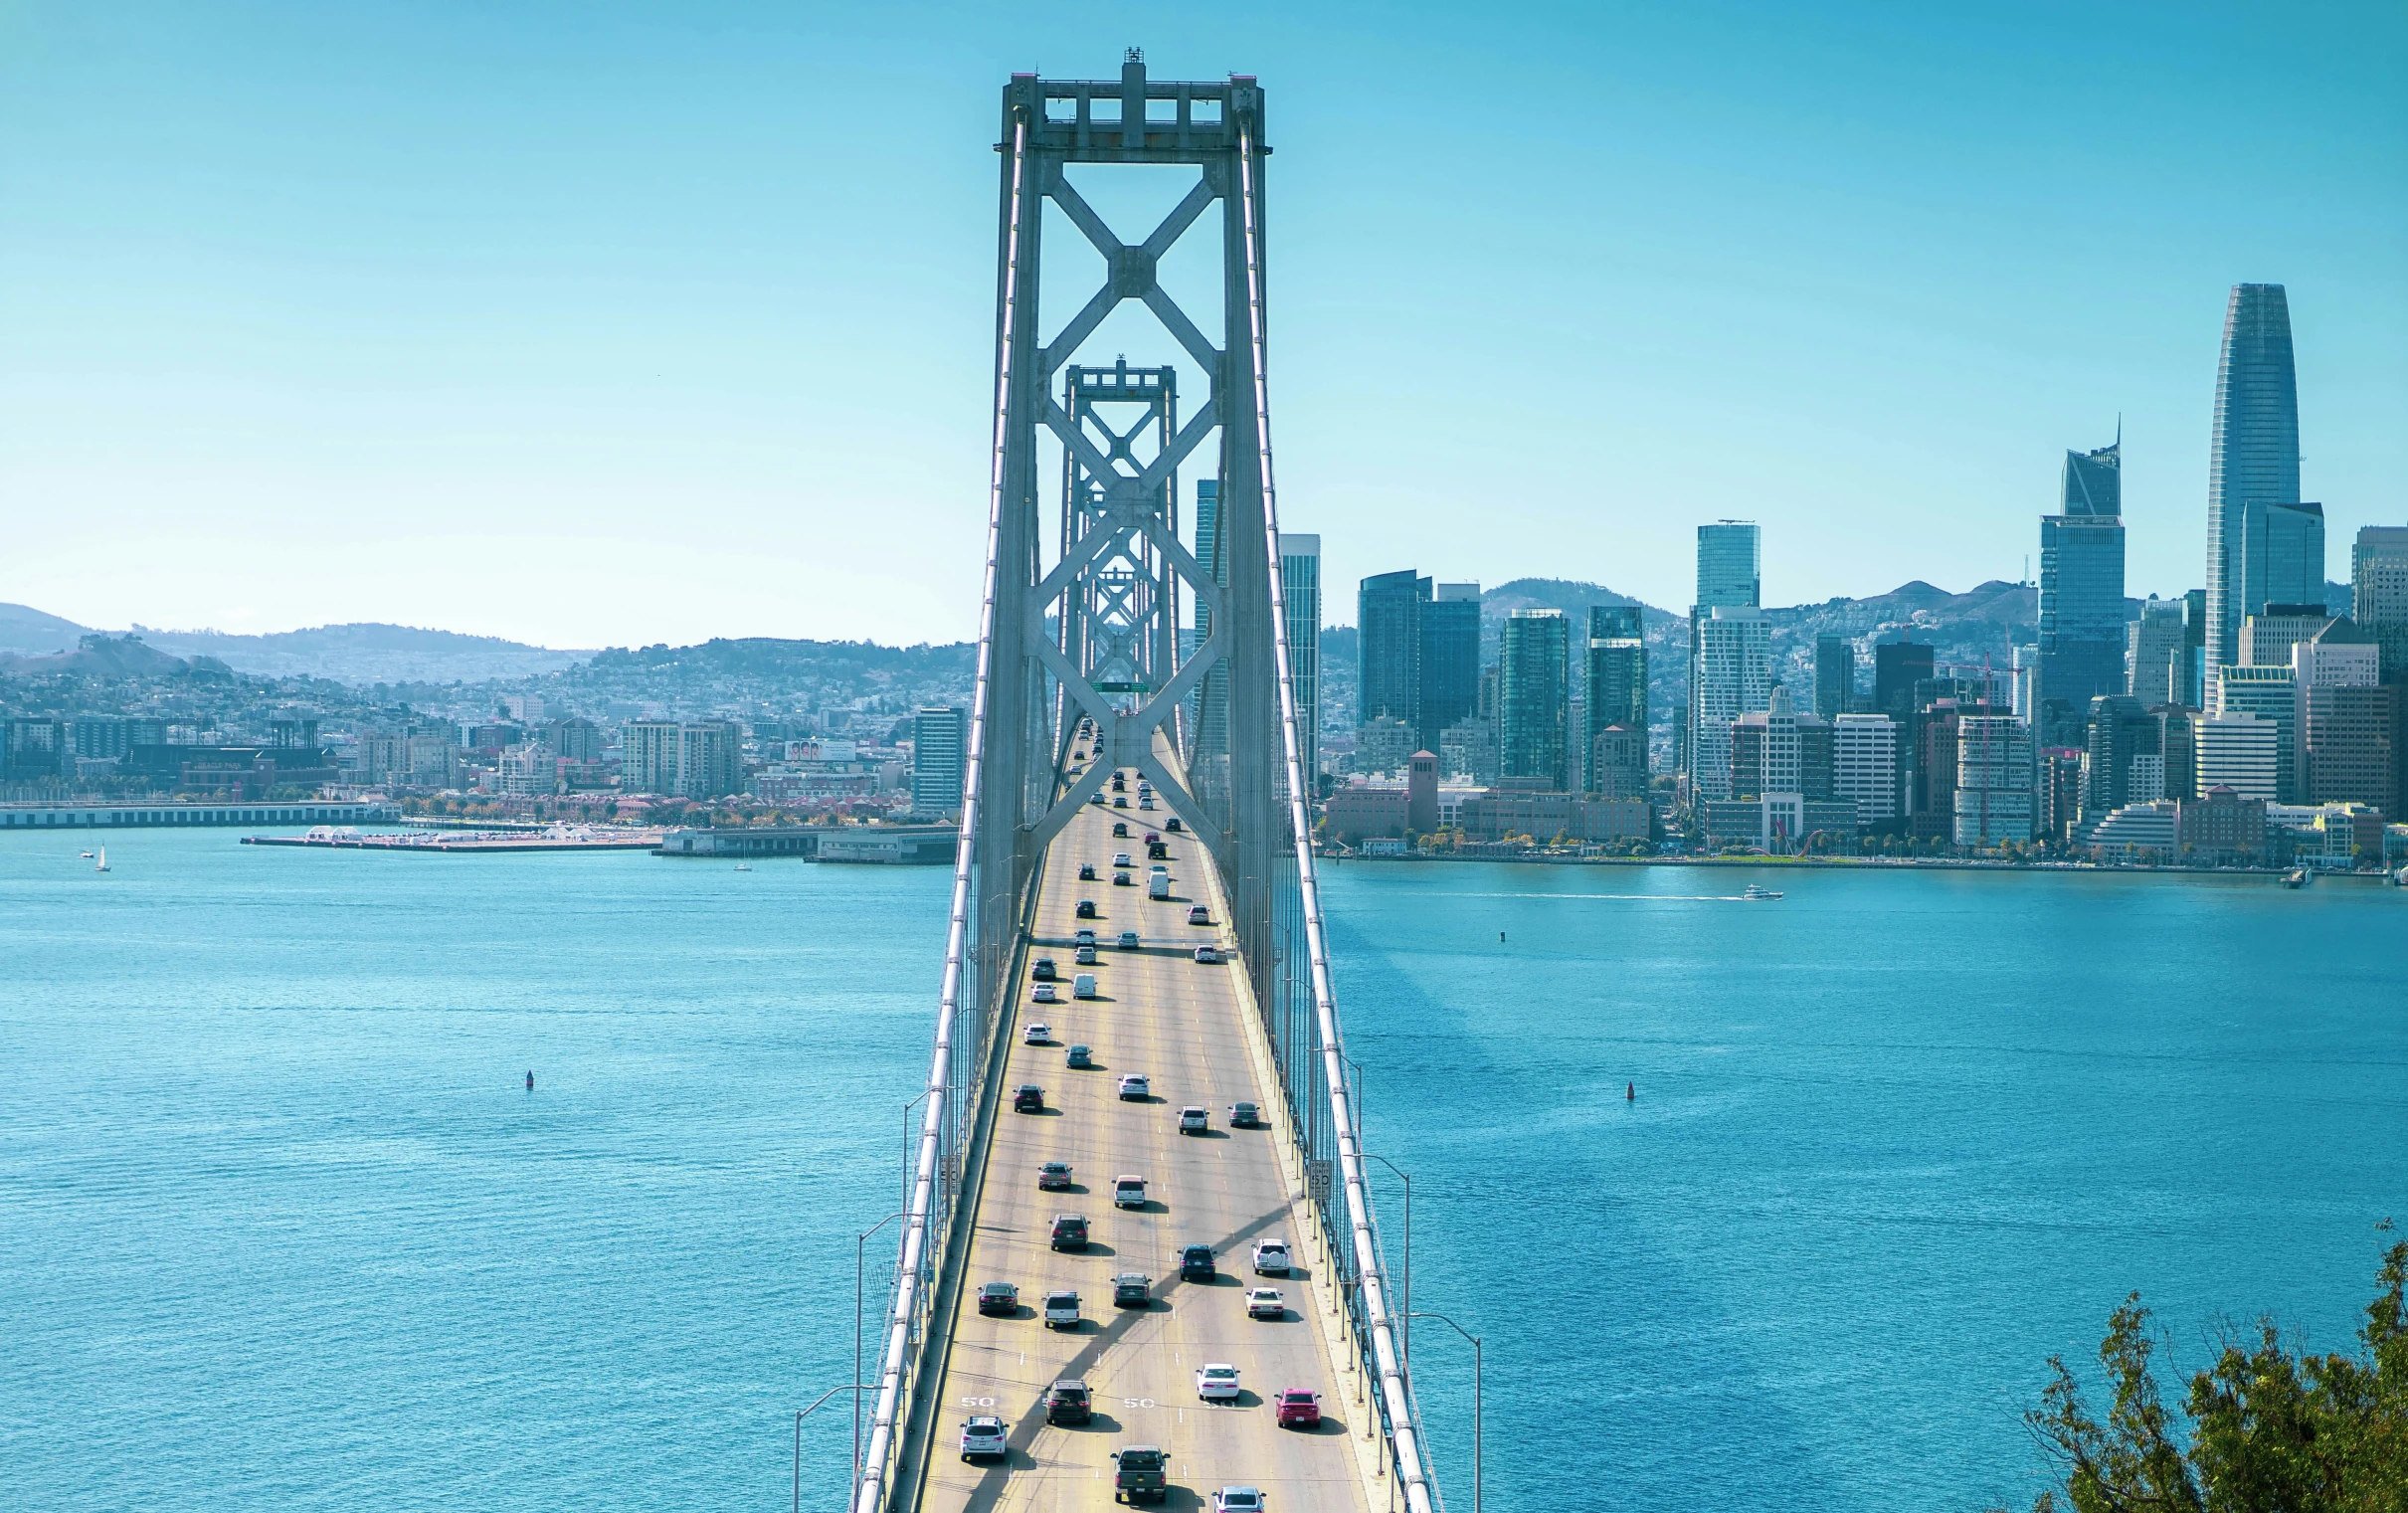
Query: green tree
[[2271, 1431]]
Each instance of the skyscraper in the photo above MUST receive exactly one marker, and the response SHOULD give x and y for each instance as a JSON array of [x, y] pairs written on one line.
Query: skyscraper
[[1530, 698], [1615, 683], [1898, 666], [2378, 582], [1730, 648], [2155, 674], [1387, 655], [1834, 675], [1450, 661], [2282, 559], [939, 733], [2081, 581], [1300, 596], [2254, 451]]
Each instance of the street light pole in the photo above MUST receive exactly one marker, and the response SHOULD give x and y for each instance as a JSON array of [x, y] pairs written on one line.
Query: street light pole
[[1476, 1345], [860, 1244], [807, 1412], [1408, 1288]]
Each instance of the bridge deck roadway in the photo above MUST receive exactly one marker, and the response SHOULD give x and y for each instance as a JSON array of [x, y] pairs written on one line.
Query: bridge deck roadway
[[1180, 1023]]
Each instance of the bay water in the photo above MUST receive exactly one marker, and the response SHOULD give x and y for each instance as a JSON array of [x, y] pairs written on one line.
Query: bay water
[[282, 1226]]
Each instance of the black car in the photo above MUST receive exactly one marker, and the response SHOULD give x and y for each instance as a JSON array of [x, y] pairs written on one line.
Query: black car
[[1087, 909], [1244, 1116], [1043, 971], [999, 1298], [1173, 826], [1120, 829], [1086, 871], [1132, 1289], [1156, 851], [1027, 1098], [1068, 1401], [1069, 1232], [1195, 1264]]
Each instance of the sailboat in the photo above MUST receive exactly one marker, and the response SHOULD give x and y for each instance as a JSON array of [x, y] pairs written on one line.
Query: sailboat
[[100, 864]]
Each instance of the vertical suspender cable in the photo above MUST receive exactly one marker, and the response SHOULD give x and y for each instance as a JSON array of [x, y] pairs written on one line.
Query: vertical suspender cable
[[1395, 1389], [918, 1235]]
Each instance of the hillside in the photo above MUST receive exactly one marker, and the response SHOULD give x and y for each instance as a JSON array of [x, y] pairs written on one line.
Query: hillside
[[368, 653], [28, 632]]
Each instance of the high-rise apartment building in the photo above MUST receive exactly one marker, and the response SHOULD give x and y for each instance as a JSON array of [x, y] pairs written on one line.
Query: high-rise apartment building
[[1730, 648], [2254, 451], [2082, 640], [2157, 660], [1300, 597], [1993, 780], [940, 737], [2378, 582], [1387, 646], [1865, 766], [1530, 698], [2282, 559], [698, 760], [1834, 675], [1615, 684], [1450, 661], [648, 762], [575, 740], [2235, 751]]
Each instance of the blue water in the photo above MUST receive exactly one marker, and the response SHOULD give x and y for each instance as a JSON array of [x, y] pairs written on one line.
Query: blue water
[[279, 1227]]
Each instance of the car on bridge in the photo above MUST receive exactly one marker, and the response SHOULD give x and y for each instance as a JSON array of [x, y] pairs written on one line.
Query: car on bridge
[[1146, 803], [1194, 1120], [1128, 1192], [1053, 1177], [1173, 826], [1122, 802], [1027, 1098], [1044, 993], [1157, 886], [984, 1435], [998, 1298], [1045, 971], [1121, 881], [1079, 1059], [1265, 1303], [1070, 1231], [1097, 800], [1120, 858], [1297, 1409], [1128, 941], [1084, 985], [1067, 1400], [1083, 956], [1272, 1257], [1141, 1473], [1238, 1500], [1038, 1031], [1062, 1310], [1155, 851], [1209, 955], [1217, 1382], [1195, 1264], [1086, 871], [1082, 937], [1244, 1116], [1135, 1088], [1120, 829], [1198, 914], [1086, 909], [1132, 1289]]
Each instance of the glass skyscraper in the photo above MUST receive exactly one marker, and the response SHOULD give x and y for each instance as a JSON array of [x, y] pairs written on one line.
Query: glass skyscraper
[[1300, 596], [2282, 557], [1387, 646], [2254, 452], [1615, 684], [1728, 663], [1529, 698], [1450, 661], [2081, 581], [1729, 566]]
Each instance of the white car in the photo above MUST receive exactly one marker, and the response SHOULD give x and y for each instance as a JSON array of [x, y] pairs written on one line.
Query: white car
[[1127, 940], [1209, 955], [1272, 1257], [1120, 859], [1217, 1383], [1265, 1303], [1128, 1192], [1044, 993], [1039, 1032], [1135, 1088], [1238, 1500], [985, 1434], [1194, 1120]]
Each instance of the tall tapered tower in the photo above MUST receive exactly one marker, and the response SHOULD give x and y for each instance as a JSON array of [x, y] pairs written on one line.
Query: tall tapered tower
[[2254, 455]]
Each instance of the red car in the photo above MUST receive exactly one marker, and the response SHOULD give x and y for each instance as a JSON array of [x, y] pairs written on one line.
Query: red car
[[1297, 1409]]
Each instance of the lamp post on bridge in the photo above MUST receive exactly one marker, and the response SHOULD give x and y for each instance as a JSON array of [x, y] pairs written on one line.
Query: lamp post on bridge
[[1476, 1345], [860, 1246], [800, 1415], [1406, 1290]]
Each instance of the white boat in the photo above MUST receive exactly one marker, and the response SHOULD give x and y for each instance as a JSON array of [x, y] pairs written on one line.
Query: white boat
[[86, 856], [1757, 894], [100, 862], [743, 867]]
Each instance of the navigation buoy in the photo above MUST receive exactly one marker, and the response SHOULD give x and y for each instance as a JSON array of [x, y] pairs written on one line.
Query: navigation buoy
[[1500, 937], [530, 1081], [1630, 1092]]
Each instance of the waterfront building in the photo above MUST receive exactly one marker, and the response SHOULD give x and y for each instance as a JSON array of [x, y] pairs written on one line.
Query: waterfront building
[[2057, 794], [2220, 827], [112, 737], [1387, 646], [527, 772], [2282, 559], [1422, 793], [698, 760], [1932, 785], [1614, 689], [2143, 831], [2254, 451], [2082, 632], [1617, 763], [1544, 817], [1834, 675], [1449, 689], [1358, 812], [1731, 675], [2235, 751], [1865, 767], [2346, 745], [36, 746], [1993, 780], [2378, 584], [2271, 693], [1300, 599], [940, 735], [1778, 750], [2155, 662], [2178, 750], [2119, 731], [648, 761], [1529, 698]]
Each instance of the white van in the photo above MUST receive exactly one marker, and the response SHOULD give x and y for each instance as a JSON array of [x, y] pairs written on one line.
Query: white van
[[1158, 886], [1083, 985]]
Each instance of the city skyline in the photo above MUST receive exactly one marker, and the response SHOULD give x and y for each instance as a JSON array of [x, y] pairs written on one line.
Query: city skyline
[[433, 331]]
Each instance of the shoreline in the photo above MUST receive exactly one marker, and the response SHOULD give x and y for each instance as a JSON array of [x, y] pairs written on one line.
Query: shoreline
[[1879, 863]]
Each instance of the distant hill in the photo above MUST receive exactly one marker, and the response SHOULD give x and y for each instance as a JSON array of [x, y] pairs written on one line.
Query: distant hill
[[359, 654], [99, 655], [30, 633]]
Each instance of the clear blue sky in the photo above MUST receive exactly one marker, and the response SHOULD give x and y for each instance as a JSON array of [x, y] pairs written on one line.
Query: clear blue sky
[[604, 325]]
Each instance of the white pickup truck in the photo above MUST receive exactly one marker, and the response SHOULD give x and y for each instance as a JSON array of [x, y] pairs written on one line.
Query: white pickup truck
[[1062, 1310]]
